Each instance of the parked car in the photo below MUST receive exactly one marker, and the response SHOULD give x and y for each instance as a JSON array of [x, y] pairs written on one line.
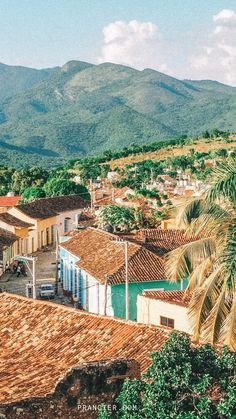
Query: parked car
[[47, 291]]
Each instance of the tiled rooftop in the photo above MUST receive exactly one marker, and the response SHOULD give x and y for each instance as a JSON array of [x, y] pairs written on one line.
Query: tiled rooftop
[[49, 207], [102, 256], [173, 297], [162, 241], [41, 341], [9, 201], [13, 221]]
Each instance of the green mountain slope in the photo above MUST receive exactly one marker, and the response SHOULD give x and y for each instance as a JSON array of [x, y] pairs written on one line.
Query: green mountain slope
[[81, 109]]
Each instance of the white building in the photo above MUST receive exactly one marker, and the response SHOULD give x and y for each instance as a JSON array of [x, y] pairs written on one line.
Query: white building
[[164, 308]]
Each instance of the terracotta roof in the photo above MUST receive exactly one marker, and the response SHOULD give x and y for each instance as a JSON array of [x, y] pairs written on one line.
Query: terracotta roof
[[178, 297], [49, 207], [162, 241], [42, 341], [9, 201], [13, 221], [101, 256], [112, 196]]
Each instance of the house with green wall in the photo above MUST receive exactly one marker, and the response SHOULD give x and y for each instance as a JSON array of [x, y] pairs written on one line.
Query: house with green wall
[[93, 267]]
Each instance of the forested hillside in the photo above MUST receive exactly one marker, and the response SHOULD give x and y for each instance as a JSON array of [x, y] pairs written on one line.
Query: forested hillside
[[47, 116]]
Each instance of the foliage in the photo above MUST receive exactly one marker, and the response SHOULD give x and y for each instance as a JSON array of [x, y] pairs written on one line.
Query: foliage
[[182, 382], [41, 124], [33, 192], [24, 178], [57, 187], [209, 260], [119, 218]]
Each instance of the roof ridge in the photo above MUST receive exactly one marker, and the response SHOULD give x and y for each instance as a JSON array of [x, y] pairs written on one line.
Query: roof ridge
[[14, 297]]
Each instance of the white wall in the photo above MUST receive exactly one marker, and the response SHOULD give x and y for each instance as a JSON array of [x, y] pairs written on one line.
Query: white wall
[[96, 300], [150, 310], [60, 219]]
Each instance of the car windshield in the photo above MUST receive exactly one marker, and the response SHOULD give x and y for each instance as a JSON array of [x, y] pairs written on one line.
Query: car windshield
[[47, 287]]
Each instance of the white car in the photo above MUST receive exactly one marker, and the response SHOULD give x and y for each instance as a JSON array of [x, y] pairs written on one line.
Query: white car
[[47, 291]]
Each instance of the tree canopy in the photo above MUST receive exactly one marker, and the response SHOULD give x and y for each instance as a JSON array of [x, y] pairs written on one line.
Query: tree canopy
[[183, 382]]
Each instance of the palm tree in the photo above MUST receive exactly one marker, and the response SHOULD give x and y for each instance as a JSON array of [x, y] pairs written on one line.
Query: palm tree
[[209, 260]]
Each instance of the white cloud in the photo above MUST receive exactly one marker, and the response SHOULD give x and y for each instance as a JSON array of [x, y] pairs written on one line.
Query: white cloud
[[217, 59], [136, 44]]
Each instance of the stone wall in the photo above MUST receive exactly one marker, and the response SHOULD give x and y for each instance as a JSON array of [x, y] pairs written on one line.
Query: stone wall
[[79, 394]]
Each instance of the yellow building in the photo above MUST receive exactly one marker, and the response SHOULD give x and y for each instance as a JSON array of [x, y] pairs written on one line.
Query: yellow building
[[46, 218], [7, 242], [19, 228]]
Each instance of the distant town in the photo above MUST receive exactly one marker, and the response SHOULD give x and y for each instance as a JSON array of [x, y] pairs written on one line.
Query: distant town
[[101, 266]]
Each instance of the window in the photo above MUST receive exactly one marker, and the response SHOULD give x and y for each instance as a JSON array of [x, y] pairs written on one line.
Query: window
[[67, 224], [165, 321]]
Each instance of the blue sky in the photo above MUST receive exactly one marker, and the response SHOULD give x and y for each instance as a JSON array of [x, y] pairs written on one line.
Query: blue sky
[[168, 34]]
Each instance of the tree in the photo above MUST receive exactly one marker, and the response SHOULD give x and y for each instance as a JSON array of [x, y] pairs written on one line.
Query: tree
[[58, 187], [119, 218], [32, 193], [183, 382], [209, 260]]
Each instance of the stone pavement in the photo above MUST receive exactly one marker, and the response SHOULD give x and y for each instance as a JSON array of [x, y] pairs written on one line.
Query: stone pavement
[[45, 273]]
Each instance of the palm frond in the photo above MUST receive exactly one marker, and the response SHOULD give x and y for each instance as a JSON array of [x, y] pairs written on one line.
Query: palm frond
[[198, 276], [228, 331], [181, 262], [202, 301], [211, 328], [224, 183]]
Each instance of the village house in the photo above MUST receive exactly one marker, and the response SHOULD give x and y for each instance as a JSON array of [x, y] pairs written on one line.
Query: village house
[[19, 228], [9, 201], [92, 266], [46, 218], [7, 243], [54, 358], [115, 196], [164, 308]]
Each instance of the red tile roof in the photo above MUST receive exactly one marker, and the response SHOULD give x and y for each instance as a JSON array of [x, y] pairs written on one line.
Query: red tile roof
[[102, 256], [173, 297], [13, 221], [162, 241], [50, 207], [42, 341], [9, 201]]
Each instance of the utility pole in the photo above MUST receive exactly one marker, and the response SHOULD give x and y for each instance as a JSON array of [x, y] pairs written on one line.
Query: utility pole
[[125, 242], [105, 296], [57, 253], [34, 279], [28, 259], [126, 281], [91, 194]]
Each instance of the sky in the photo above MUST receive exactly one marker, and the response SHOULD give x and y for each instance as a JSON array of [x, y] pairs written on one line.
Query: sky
[[184, 38]]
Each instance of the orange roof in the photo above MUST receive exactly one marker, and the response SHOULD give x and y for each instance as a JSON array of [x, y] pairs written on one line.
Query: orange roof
[[9, 201], [41, 341], [101, 256], [178, 297]]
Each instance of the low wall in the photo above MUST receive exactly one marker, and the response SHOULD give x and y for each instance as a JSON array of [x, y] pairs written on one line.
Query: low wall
[[79, 394]]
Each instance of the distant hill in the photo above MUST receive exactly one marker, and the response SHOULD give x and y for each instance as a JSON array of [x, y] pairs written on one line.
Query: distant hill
[[47, 116]]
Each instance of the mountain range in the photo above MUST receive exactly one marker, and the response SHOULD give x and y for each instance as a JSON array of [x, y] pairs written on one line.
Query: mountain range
[[50, 115]]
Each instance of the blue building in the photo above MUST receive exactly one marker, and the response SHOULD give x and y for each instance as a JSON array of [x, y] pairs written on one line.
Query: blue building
[[93, 270]]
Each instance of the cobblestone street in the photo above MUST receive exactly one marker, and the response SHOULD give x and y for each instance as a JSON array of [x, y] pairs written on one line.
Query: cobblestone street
[[45, 273]]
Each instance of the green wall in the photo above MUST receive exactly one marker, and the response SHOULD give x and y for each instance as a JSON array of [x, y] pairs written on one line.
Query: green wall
[[118, 295]]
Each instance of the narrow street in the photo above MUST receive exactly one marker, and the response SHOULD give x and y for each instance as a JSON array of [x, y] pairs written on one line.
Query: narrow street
[[45, 273]]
